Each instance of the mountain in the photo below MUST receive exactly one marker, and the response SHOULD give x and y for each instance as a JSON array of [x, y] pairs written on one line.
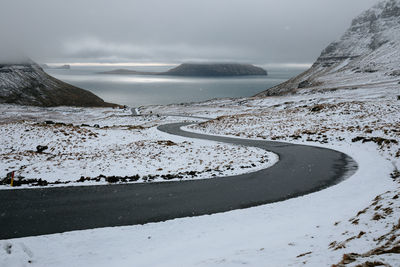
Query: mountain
[[202, 70], [367, 55], [25, 83]]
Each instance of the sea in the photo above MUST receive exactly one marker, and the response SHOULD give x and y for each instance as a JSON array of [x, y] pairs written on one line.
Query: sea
[[143, 90]]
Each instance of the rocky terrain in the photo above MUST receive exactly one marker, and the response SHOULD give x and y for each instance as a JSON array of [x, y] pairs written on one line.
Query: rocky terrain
[[27, 84], [368, 54], [201, 70]]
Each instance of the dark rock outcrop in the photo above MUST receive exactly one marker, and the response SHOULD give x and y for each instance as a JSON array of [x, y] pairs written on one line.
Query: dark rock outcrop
[[304, 84], [27, 84], [217, 69], [201, 70], [40, 148]]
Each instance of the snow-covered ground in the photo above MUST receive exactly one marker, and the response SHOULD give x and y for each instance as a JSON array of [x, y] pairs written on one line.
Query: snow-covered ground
[[87, 146], [349, 101], [367, 55], [346, 116], [360, 215]]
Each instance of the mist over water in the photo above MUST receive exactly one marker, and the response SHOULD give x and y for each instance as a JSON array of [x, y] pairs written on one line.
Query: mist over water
[[142, 90]]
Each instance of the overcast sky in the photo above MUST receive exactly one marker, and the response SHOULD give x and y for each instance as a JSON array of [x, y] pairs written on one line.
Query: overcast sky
[[254, 31]]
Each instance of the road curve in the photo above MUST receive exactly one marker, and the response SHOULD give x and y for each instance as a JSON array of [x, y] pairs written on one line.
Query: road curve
[[300, 170]]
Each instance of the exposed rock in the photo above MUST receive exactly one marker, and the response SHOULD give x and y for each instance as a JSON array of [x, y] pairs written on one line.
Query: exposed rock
[[27, 84], [317, 108], [369, 51], [40, 149], [395, 174], [304, 84], [395, 73]]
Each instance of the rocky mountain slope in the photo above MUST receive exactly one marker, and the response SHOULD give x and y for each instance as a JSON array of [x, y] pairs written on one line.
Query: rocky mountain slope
[[27, 84], [201, 70], [368, 54]]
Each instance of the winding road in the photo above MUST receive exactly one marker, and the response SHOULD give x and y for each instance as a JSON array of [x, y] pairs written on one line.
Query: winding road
[[300, 170]]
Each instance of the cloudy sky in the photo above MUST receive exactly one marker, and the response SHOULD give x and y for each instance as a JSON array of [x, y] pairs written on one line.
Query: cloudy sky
[[172, 31]]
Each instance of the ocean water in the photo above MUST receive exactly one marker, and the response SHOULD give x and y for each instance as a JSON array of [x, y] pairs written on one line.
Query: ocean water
[[142, 90]]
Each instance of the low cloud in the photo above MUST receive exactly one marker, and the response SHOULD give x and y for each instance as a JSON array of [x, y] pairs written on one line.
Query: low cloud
[[91, 49], [257, 31]]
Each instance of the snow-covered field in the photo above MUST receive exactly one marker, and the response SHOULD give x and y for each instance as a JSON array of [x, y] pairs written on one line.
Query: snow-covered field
[[359, 215], [362, 115], [87, 146], [349, 101]]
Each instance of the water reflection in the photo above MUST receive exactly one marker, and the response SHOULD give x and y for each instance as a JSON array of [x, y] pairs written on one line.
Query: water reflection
[[137, 90]]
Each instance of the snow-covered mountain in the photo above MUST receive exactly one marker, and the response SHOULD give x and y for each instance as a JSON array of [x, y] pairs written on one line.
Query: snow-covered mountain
[[368, 54], [25, 83]]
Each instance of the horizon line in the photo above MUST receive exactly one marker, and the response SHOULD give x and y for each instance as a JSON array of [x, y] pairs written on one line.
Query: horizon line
[[163, 64]]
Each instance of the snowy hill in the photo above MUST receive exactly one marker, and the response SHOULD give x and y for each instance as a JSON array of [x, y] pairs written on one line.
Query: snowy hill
[[27, 84], [367, 54]]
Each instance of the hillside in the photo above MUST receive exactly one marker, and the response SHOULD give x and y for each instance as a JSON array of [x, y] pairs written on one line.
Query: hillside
[[27, 84], [366, 55], [201, 70]]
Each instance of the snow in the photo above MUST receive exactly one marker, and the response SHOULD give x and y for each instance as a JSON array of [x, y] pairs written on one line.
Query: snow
[[344, 115], [315, 230], [120, 145], [354, 107], [14, 77], [268, 235], [374, 25], [368, 54]]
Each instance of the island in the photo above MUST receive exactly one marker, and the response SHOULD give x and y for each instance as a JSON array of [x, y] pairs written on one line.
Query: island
[[62, 67], [201, 70]]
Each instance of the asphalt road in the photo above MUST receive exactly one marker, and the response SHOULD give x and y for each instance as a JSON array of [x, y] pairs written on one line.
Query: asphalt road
[[300, 170]]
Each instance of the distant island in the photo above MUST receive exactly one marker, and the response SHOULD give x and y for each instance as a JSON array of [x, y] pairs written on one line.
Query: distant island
[[63, 67], [200, 70]]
